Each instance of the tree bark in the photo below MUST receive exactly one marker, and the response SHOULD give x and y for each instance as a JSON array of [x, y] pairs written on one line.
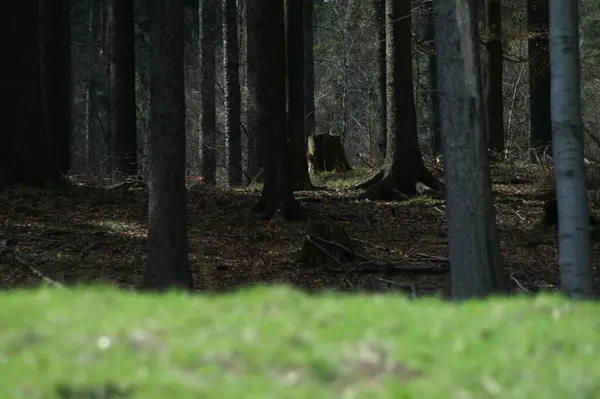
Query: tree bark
[[270, 102], [476, 269], [539, 79], [295, 94], [232, 92], [381, 124], [168, 264], [253, 32], [494, 97], [208, 115], [56, 79], [403, 166], [436, 139], [24, 155], [309, 71], [92, 126], [121, 59], [574, 257]]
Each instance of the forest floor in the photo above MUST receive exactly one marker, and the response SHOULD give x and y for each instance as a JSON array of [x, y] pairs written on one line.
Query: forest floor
[[88, 234]]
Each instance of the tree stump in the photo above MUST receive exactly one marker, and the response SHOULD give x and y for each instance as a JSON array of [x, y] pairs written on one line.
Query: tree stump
[[326, 153], [328, 245]]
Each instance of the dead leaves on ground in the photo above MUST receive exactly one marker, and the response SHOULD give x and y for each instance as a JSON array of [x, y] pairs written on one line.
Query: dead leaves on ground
[[83, 235]]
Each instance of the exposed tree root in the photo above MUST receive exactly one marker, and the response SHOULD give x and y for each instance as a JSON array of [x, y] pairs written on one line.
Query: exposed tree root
[[376, 178], [386, 185], [290, 209], [429, 180], [305, 186], [383, 193]]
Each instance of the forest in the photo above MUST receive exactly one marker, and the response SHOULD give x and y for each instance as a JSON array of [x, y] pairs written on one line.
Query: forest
[[331, 145], [285, 198]]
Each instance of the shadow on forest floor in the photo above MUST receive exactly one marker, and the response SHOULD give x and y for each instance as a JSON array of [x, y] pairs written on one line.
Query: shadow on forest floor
[[87, 235]]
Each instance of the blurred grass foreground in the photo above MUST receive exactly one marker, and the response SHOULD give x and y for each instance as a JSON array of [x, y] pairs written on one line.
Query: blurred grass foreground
[[275, 342]]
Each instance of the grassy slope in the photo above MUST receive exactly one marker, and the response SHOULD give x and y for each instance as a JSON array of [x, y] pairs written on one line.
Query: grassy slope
[[277, 342]]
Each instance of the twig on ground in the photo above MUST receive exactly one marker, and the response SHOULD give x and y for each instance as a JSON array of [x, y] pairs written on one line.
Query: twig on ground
[[432, 257], [512, 277], [371, 265], [439, 210], [37, 273]]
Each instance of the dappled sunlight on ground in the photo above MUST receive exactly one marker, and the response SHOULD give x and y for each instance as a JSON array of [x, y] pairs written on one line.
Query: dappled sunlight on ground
[[84, 235]]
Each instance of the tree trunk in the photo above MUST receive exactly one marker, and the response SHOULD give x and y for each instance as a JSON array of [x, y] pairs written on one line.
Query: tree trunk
[[208, 115], [167, 232], [295, 94], [309, 72], [270, 102], [436, 139], [253, 31], [381, 124], [122, 86], [92, 125], [567, 134], [539, 79], [494, 97], [476, 269], [56, 79], [403, 166], [232, 92], [24, 155]]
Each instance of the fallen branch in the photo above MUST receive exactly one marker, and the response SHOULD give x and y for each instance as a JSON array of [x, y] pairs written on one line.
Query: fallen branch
[[18, 260], [372, 265]]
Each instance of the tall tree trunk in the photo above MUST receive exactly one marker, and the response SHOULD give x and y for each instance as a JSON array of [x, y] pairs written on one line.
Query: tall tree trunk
[[56, 79], [253, 30], [295, 94], [168, 264], [436, 139], [24, 155], [309, 71], [208, 115], [539, 79], [381, 124], [92, 125], [574, 256], [232, 92], [270, 101], [403, 166], [106, 150], [474, 247], [121, 59], [494, 97]]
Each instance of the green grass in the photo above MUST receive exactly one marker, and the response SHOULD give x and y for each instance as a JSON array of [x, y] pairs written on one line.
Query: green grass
[[278, 343], [422, 200], [342, 180]]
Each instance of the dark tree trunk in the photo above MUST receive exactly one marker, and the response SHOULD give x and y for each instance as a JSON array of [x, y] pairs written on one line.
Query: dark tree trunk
[[24, 153], [403, 166], [121, 60], [232, 92], [253, 32], [539, 79], [381, 124], [168, 264], [494, 97], [107, 151], [436, 139], [208, 115], [56, 79], [309, 71], [92, 125], [270, 102], [295, 94]]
